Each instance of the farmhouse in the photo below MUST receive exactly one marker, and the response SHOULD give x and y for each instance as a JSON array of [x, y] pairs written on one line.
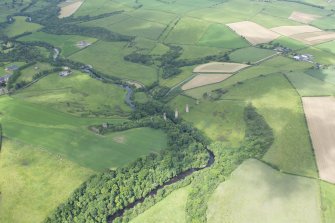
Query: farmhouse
[[11, 68], [65, 73], [304, 57], [83, 44], [4, 79]]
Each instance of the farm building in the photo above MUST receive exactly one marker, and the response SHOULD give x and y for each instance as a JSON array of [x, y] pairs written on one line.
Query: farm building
[[65, 73], [4, 79], [83, 44], [11, 68], [304, 57]]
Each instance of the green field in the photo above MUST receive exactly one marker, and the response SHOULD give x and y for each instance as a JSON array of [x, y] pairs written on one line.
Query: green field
[[28, 73], [328, 47], [194, 51], [67, 43], [20, 26], [219, 120], [328, 196], [218, 35], [170, 210], [308, 85], [78, 94], [250, 55], [326, 74], [257, 193], [279, 103], [69, 136], [33, 182], [289, 43], [187, 31], [107, 57]]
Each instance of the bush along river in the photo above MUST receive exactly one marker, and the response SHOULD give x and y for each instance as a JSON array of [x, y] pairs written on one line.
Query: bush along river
[[173, 180]]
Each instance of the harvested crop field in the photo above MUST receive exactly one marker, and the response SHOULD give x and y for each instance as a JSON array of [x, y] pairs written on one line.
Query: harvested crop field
[[320, 113], [204, 79], [254, 33], [219, 67], [315, 37], [303, 17], [69, 9], [293, 30]]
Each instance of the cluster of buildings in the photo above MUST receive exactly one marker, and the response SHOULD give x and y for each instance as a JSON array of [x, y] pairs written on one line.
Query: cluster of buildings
[[304, 57]]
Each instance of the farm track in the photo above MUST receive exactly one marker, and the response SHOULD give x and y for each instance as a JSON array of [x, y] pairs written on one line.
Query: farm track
[[175, 179]]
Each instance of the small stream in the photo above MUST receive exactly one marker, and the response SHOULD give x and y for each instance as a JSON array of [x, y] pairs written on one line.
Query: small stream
[[56, 54], [173, 180], [129, 95]]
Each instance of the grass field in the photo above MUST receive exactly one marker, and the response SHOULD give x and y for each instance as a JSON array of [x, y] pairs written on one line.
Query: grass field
[[20, 26], [219, 120], [218, 35], [67, 43], [325, 22], [250, 54], [170, 210], [308, 85], [28, 73], [78, 94], [328, 197], [69, 136], [187, 31], [289, 43], [196, 51], [279, 103], [319, 55], [108, 58], [257, 193], [328, 47], [326, 74], [33, 182]]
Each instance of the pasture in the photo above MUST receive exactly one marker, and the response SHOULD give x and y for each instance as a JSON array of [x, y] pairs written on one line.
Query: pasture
[[171, 209], [107, 57], [204, 79], [66, 43], [28, 73], [219, 120], [328, 197], [78, 94], [253, 32], [218, 35], [319, 113], [308, 85], [34, 181], [250, 55], [279, 103], [257, 193], [70, 138], [21, 26], [187, 31]]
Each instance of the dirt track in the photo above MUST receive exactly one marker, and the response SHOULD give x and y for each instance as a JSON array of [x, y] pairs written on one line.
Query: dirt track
[[320, 114]]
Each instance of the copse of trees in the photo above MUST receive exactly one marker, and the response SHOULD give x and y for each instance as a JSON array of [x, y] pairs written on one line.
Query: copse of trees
[[109, 192]]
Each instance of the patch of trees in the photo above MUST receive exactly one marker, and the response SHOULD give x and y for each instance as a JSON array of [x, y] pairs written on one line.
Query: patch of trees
[[215, 94], [109, 192], [258, 139], [139, 58], [22, 52]]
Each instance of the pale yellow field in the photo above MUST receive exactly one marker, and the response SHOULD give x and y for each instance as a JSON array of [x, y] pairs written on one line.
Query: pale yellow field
[[219, 67], [204, 79], [253, 32], [315, 37], [320, 113], [69, 9], [293, 30], [303, 17]]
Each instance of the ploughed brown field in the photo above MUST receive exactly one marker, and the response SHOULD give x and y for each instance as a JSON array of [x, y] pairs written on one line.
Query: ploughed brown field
[[69, 9], [320, 114], [254, 33], [303, 17], [219, 67], [204, 79]]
